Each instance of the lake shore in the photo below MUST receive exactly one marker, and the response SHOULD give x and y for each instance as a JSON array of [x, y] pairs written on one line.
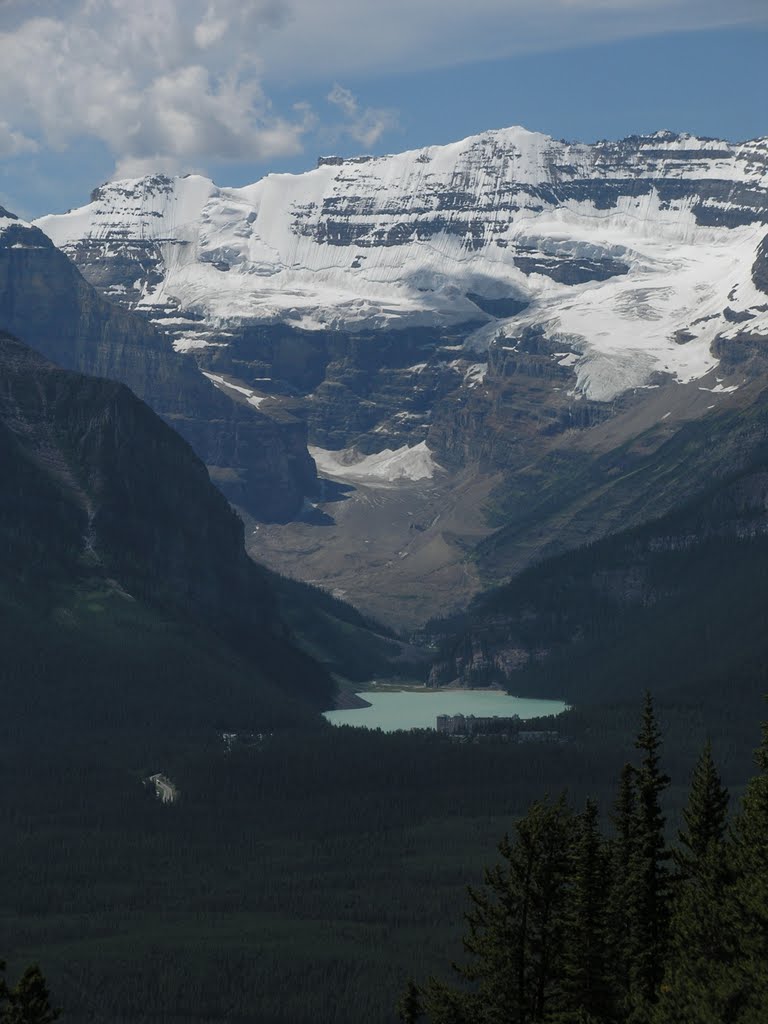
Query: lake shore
[[391, 709], [348, 700], [395, 686]]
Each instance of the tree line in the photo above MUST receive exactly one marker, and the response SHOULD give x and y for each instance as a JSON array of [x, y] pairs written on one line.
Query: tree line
[[575, 927]]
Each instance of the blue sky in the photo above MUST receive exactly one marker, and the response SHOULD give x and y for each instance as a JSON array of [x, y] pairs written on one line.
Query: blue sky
[[94, 89]]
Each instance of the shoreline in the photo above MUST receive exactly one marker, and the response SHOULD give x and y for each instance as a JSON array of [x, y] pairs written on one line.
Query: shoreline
[[374, 687], [349, 700], [386, 687]]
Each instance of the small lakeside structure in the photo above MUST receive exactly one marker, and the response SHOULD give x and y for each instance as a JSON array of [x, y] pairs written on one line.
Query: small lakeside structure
[[469, 725], [462, 726]]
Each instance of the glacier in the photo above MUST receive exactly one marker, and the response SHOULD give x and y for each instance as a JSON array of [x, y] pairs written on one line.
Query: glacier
[[632, 256]]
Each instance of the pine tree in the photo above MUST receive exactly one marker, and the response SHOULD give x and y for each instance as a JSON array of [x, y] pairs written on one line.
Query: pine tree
[[705, 817], [516, 929], [586, 993], [29, 1000], [620, 853], [569, 929], [699, 985], [409, 1009], [751, 890], [648, 877], [447, 1005]]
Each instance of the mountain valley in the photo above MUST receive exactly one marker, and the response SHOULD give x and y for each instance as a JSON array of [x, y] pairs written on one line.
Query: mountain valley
[[493, 414], [111, 530]]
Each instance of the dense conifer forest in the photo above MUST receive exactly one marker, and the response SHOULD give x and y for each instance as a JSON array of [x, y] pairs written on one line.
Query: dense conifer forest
[[574, 927], [304, 875]]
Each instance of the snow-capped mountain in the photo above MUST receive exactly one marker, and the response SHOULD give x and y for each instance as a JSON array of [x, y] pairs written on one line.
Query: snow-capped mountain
[[631, 257], [509, 338]]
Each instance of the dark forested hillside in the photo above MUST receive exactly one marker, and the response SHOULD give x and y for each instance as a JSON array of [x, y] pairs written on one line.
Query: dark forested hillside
[[259, 461], [122, 562], [680, 601]]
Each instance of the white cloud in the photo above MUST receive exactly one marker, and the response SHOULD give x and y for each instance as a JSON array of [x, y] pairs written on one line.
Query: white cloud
[[13, 143], [180, 82], [365, 125], [158, 80]]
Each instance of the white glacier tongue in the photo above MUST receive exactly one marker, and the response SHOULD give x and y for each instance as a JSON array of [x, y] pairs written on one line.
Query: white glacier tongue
[[630, 251], [225, 385], [407, 463]]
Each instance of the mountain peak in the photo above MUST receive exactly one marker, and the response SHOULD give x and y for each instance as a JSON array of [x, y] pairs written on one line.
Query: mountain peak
[[458, 234]]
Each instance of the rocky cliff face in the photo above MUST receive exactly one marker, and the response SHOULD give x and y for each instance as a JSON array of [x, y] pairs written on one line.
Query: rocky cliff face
[[760, 266], [143, 499], [259, 461]]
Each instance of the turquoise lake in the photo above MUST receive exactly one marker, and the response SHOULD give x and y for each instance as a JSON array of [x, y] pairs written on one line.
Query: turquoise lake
[[417, 709]]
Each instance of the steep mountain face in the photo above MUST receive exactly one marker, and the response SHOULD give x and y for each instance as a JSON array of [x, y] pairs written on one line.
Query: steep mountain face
[[259, 461], [511, 301], [102, 498], [99, 493]]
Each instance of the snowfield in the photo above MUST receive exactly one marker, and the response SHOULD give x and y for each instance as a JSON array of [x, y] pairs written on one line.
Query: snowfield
[[414, 463]]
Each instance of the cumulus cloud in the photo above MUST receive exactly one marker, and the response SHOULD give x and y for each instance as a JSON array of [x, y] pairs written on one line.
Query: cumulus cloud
[[155, 80], [177, 83], [13, 143]]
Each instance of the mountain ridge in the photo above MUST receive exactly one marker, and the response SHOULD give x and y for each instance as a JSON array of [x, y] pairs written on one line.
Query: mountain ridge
[[260, 461], [676, 602], [577, 240]]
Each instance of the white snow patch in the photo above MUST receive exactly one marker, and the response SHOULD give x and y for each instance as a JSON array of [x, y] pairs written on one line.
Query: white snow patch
[[475, 374], [28, 240], [171, 321], [189, 342], [567, 359], [388, 466], [719, 389], [11, 221], [223, 384]]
